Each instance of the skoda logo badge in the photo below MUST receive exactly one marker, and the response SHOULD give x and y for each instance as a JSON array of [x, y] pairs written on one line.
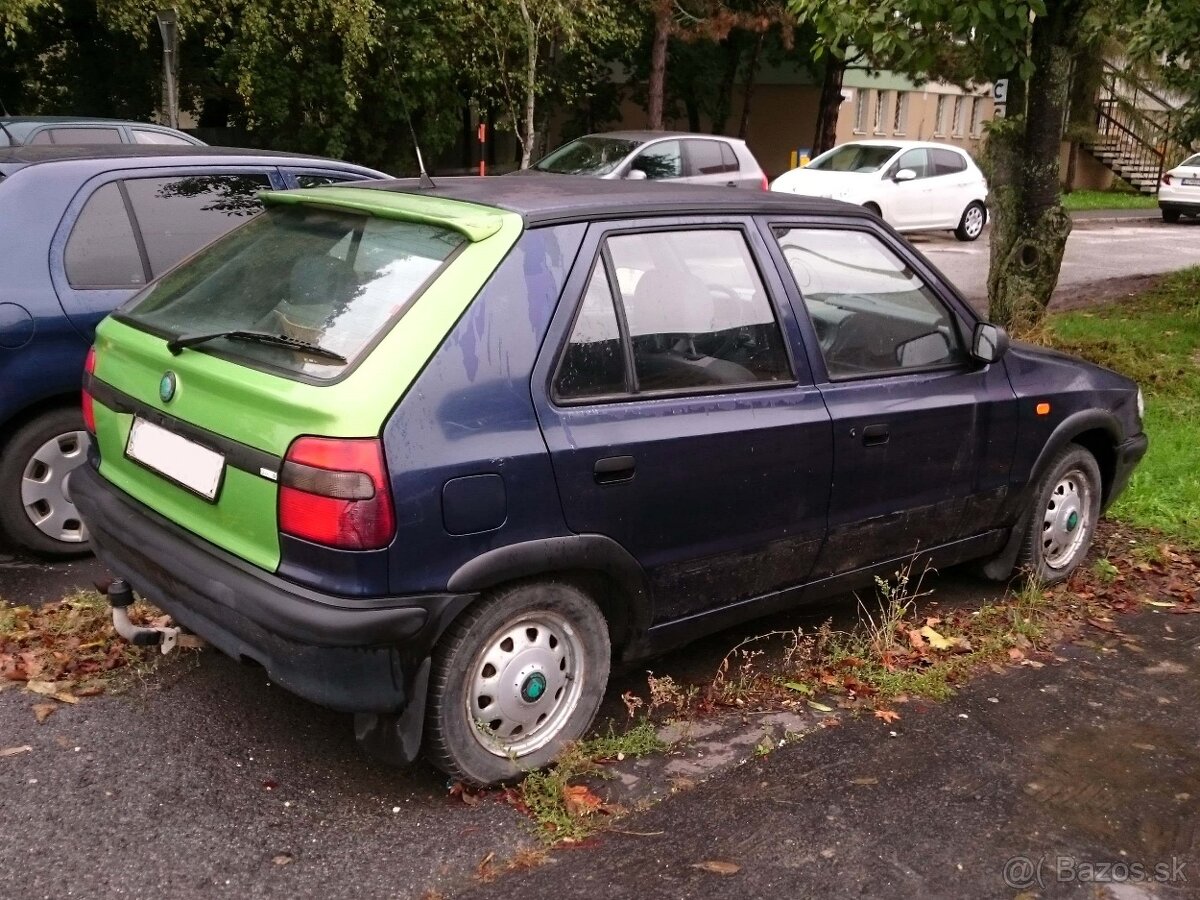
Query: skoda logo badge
[[166, 387]]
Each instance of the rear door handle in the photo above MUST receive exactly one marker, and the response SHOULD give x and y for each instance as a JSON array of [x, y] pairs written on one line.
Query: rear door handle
[[874, 435], [613, 469]]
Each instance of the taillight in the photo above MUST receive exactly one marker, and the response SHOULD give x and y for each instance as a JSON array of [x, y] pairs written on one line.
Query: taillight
[[334, 491], [1166, 179], [765, 184], [88, 404]]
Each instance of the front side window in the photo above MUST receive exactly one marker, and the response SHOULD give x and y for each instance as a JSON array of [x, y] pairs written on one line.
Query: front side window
[[178, 216], [102, 251], [146, 136], [872, 313], [81, 136], [325, 278], [696, 316], [917, 160], [661, 160]]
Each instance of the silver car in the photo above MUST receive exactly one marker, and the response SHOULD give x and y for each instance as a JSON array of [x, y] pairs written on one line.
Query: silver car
[[659, 155]]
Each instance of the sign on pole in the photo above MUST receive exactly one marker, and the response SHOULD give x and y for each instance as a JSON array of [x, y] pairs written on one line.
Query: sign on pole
[[1000, 90]]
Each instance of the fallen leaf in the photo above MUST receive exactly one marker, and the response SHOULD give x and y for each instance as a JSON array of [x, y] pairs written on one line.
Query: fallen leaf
[[915, 639], [15, 751], [1016, 655], [936, 641], [1161, 604], [864, 781], [888, 715], [43, 711], [64, 697], [282, 859], [580, 800], [820, 707], [270, 784], [1102, 625], [1033, 664], [46, 688], [717, 867], [805, 689]]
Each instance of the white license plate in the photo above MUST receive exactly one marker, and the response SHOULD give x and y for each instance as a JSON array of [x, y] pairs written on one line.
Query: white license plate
[[1191, 182], [185, 462]]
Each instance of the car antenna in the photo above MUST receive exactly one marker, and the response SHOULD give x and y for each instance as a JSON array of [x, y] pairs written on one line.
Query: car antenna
[[424, 180]]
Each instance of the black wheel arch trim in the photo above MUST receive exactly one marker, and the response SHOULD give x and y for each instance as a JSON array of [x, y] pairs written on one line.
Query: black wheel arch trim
[[1064, 433]]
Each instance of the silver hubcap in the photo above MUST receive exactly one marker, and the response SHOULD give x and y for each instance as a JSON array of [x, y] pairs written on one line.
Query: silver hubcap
[[44, 492], [973, 221], [524, 684], [1066, 524]]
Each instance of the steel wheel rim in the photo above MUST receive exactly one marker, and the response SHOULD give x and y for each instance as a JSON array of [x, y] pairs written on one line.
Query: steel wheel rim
[[974, 221], [44, 494], [1066, 520], [524, 684]]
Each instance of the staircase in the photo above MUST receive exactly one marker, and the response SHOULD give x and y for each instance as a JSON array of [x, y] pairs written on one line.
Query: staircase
[[1133, 131]]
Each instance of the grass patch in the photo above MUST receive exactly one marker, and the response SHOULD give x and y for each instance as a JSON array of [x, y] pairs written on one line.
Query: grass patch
[[1077, 201], [1153, 338]]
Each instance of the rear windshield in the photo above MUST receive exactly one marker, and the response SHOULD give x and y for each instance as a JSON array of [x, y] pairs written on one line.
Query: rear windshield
[[854, 158], [587, 156], [331, 279]]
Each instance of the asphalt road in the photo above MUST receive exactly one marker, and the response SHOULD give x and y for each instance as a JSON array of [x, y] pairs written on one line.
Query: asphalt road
[[1097, 250]]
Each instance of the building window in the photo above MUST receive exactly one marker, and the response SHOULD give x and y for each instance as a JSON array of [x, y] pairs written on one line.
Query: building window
[[861, 97], [976, 116], [900, 122], [960, 115], [881, 108], [939, 116]]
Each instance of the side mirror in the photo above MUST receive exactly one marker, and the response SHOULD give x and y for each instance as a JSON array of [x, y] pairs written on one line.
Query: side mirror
[[904, 175], [989, 343], [635, 175]]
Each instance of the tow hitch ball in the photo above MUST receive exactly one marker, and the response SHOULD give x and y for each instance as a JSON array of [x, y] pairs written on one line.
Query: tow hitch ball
[[120, 597]]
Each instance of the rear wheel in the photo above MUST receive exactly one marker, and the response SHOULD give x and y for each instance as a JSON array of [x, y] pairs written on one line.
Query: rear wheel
[[1062, 520], [36, 512], [514, 680], [1170, 215], [970, 226]]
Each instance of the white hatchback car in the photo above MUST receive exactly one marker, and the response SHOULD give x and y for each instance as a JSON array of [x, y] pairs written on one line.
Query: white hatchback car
[[1179, 191], [912, 185]]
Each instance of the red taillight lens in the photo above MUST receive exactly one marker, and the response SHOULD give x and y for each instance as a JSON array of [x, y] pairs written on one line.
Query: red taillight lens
[[334, 491], [1166, 178], [765, 184], [88, 404]]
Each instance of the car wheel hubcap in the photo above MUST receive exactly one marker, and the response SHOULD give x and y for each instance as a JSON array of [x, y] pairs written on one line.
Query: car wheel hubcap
[[524, 684], [44, 493], [1065, 522], [974, 223]]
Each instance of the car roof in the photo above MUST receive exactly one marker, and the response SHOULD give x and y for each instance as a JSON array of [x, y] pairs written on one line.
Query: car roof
[[543, 199], [904, 145], [17, 157], [77, 120], [647, 135]]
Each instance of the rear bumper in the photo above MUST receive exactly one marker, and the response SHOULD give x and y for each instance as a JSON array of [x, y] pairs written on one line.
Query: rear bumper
[[1129, 454], [351, 655], [1187, 205]]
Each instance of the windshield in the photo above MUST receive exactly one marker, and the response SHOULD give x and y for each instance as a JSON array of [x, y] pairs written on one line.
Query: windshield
[[325, 278], [854, 158], [587, 156], [1192, 161]]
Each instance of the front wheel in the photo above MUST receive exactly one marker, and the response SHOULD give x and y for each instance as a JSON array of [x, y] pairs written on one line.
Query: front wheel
[[514, 680], [1062, 520], [970, 226]]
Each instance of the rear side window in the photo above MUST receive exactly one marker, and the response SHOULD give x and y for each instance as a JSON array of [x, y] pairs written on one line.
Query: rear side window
[[178, 216], [102, 251], [695, 316], [309, 180], [145, 136], [321, 277], [705, 157], [729, 158], [79, 136], [947, 162]]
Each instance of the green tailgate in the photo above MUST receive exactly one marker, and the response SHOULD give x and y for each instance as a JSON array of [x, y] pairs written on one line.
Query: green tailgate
[[267, 411]]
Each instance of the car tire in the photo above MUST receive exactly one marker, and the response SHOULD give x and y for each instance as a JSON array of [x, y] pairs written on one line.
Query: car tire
[[1170, 216], [1062, 518], [514, 680], [970, 225], [36, 513], [873, 209]]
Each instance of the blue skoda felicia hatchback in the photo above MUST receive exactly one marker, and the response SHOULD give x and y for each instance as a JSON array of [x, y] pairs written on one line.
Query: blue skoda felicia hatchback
[[437, 456]]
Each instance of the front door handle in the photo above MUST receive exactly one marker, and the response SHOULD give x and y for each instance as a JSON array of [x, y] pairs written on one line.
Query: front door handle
[[874, 435], [613, 469]]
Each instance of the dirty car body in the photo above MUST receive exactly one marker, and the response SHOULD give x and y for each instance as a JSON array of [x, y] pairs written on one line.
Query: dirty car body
[[521, 425]]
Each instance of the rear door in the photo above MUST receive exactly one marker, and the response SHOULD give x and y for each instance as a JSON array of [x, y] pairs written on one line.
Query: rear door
[[710, 162], [681, 420], [126, 228], [923, 436], [953, 186]]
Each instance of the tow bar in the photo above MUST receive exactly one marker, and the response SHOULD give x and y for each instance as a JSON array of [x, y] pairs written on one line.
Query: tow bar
[[120, 597]]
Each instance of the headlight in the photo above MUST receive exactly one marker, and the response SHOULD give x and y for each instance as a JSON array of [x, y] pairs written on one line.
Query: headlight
[[1141, 405]]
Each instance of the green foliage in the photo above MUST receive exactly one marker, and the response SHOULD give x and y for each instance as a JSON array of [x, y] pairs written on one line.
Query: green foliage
[[1089, 200]]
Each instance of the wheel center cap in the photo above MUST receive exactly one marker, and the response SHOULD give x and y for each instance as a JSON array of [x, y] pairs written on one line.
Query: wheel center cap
[[533, 687], [1072, 520]]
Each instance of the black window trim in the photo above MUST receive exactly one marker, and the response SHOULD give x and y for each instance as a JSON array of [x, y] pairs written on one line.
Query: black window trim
[[602, 256], [964, 318], [138, 237]]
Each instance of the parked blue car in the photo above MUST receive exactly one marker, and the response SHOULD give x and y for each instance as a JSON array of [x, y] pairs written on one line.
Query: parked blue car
[[83, 228]]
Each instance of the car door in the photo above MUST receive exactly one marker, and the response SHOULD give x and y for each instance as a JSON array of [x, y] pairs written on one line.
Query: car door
[[923, 435], [704, 163], [951, 187], [659, 161], [125, 228], [906, 202], [680, 414]]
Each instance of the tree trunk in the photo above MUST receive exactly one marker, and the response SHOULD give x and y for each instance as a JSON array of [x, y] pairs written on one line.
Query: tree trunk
[[831, 100], [528, 133], [732, 47], [1030, 226], [658, 64], [748, 91]]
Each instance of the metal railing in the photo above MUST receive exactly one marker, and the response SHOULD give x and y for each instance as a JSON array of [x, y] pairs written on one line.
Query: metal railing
[[1135, 124]]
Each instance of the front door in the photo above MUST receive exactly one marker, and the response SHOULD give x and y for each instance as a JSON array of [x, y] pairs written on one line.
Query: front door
[[923, 436], [680, 413]]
